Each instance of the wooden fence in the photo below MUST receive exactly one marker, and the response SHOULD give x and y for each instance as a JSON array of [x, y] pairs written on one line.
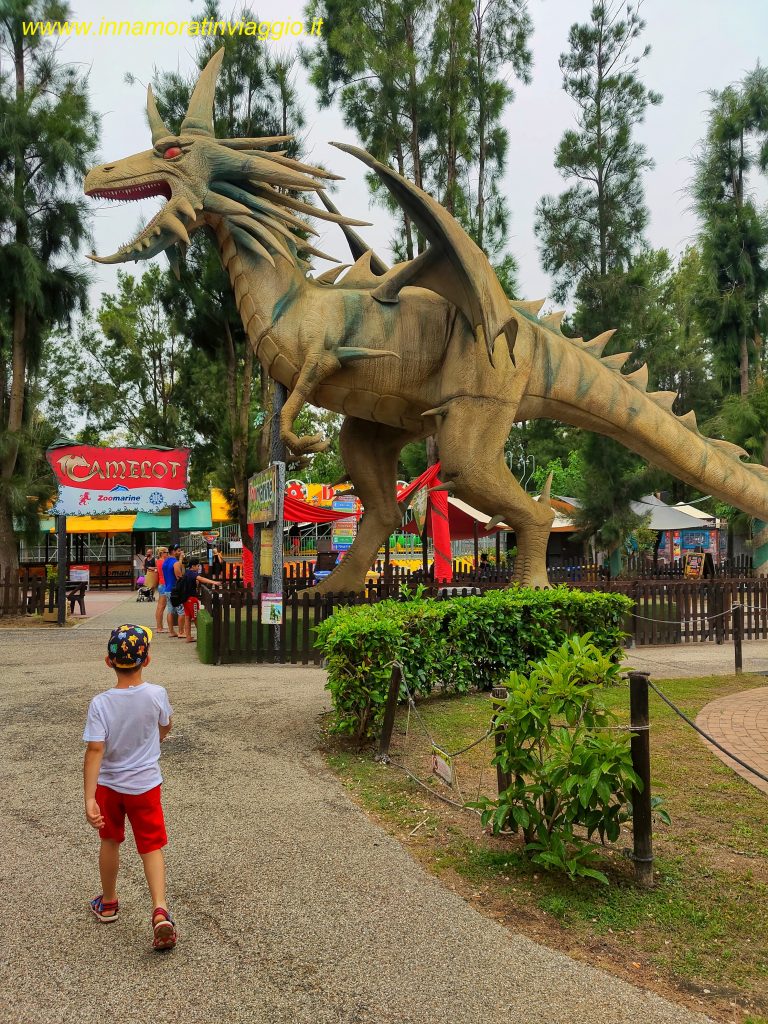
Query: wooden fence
[[21, 593], [671, 612]]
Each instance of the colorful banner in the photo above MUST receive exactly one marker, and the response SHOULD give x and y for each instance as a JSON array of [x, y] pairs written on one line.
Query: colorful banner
[[101, 481]]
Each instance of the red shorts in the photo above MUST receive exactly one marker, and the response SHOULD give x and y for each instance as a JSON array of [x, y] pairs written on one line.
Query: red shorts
[[190, 607], [145, 814]]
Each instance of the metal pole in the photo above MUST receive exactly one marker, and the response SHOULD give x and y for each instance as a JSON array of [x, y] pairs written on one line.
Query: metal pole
[[503, 780], [277, 542], [174, 524], [642, 824], [61, 559], [389, 714], [738, 624]]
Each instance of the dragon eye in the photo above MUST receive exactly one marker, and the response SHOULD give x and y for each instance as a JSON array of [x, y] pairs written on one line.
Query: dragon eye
[[171, 152]]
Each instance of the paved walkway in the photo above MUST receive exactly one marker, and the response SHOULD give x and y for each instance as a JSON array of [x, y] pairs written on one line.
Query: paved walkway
[[740, 723], [293, 907]]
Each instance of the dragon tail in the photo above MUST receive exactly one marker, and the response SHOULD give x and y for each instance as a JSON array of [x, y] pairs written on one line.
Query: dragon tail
[[570, 382]]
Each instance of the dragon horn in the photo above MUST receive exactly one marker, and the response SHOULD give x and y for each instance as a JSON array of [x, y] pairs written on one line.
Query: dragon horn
[[159, 131], [199, 117]]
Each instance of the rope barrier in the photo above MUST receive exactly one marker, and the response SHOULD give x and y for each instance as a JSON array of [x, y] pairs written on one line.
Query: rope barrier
[[707, 737]]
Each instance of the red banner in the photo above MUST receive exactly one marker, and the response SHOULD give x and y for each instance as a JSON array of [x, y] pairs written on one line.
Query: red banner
[[101, 469]]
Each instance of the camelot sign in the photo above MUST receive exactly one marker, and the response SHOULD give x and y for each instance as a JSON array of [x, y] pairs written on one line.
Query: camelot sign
[[96, 481]]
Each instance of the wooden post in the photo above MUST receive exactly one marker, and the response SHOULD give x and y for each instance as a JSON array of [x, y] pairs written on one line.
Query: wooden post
[[425, 552], [386, 557], [737, 613], [476, 531], [389, 714], [498, 553], [61, 561], [642, 824], [503, 780]]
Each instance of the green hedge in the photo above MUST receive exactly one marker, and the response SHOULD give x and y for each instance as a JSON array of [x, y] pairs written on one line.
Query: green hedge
[[459, 644]]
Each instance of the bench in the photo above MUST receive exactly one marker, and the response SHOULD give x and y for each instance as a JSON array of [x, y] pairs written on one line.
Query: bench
[[76, 593]]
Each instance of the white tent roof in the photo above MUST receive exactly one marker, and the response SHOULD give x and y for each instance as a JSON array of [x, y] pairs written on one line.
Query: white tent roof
[[705, 518], [664, 517]]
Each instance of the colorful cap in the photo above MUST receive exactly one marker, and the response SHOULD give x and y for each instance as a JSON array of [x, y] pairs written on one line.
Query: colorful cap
[[128, 646]]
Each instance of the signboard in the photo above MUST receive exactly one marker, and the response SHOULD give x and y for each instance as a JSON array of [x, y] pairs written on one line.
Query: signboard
[[262, 496], [442, 765], [343, 531], [212, 537], [97, 481], [693, 565], [265, 557], [272, 609], [79, 574]]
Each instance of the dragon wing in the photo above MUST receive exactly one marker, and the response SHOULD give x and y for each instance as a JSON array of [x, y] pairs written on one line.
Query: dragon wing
[[453, 266]]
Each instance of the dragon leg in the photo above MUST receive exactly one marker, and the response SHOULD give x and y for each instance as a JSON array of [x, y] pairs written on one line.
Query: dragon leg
[[370, 452], [471, 439], [314, 370]]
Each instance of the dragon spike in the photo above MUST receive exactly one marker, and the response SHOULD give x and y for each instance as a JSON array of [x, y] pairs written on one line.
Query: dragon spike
[[159, 131], [545, 491], [596, 345], [728, 447], [172, 253], [218, 203], [493, 522], [664, 399], [296, 165], [347, 355], [554, 320], [442, 487], [199, 117], [306, 247], [249, 242], [262, 143], [266, 190], [531, 306], [638, 378], [616, 361], [689, 421], [441, 410], [259, 204], [329, 276]]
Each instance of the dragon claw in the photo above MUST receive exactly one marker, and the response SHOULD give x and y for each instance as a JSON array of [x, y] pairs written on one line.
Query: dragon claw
[[308, 444]]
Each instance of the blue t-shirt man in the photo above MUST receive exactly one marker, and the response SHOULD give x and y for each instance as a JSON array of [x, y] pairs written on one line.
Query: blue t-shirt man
[[169, 577]]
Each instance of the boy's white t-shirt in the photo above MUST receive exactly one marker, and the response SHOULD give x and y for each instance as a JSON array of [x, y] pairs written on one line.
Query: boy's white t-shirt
[[127, 721]]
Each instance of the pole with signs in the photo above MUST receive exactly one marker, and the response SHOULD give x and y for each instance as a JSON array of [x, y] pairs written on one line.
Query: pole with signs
[[61, 560], [174, 524]]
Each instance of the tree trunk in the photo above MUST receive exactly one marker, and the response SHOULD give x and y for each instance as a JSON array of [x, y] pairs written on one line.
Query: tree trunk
[[743, 367]]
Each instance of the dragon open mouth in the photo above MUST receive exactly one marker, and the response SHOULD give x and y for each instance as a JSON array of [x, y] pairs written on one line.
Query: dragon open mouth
[[132, 192]]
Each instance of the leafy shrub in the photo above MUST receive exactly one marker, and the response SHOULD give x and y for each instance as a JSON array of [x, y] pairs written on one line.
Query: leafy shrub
[[456, 645], [569, 769]]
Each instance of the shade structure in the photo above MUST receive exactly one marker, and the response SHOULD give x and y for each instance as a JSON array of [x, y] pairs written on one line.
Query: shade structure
[[196, 518], [99, 524], [664, 517]]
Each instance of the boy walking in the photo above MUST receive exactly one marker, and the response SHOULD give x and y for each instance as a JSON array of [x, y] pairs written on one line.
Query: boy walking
[[121, 776]]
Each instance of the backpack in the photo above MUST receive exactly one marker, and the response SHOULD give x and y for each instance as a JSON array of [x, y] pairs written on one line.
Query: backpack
[[180, 591]]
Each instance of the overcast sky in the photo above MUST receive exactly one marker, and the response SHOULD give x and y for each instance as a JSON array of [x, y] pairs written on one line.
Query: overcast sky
[[696, 45]]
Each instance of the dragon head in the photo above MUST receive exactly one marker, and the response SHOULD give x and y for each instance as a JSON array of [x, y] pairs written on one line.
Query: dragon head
[[200, 175]]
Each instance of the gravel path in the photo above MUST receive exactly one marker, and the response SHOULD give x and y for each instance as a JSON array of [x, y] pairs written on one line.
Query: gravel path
[[292, 906]]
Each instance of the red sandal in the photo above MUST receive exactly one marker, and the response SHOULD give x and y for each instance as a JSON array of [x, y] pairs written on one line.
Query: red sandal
[[99, 905], [165, 934]]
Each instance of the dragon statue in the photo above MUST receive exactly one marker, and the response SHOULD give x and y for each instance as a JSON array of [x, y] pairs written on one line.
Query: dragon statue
[[430, 346]]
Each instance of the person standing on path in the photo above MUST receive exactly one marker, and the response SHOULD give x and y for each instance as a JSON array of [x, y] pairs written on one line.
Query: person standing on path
[[188, 593], [121, 776], [173, 571], [162, 599]]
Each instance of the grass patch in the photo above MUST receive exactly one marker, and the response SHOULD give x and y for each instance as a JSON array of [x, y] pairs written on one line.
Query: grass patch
[[698, 937]]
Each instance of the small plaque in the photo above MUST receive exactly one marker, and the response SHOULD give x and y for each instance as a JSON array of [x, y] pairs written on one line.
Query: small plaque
[[442, 765]]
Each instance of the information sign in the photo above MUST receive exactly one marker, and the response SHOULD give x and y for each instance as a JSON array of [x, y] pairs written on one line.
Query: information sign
[[693, 565], [442, 765], [272, 609], [265, 557]]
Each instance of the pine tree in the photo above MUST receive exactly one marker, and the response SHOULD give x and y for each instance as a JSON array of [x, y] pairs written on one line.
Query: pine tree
[[734, 236], [592, 234], [47, 142]]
